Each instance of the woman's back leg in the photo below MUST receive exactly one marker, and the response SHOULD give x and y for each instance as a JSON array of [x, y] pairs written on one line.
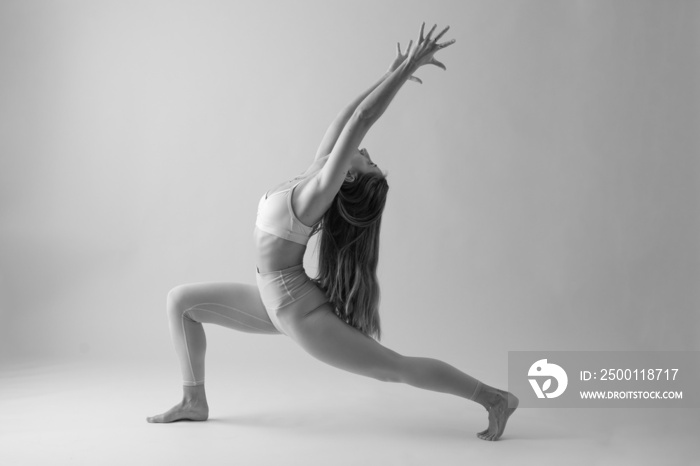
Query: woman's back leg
[[323, 335]]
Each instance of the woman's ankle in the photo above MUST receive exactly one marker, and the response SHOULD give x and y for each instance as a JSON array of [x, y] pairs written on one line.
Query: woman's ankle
[[194, 393], [487, 396]]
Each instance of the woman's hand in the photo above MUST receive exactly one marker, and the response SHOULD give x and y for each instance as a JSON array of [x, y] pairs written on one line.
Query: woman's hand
[[424, 51], [400, 57]]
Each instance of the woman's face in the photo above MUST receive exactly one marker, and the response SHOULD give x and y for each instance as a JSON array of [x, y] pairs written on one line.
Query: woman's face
[[362, 163]]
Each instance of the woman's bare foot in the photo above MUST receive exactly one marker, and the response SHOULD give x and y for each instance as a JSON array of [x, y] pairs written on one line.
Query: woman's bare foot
[[193, 407], [500, 405]]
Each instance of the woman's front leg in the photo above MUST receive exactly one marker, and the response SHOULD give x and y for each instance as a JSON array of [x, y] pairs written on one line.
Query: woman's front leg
[[232, 305]]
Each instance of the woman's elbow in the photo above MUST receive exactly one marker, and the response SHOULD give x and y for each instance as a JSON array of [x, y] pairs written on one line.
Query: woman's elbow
[[362, 114]]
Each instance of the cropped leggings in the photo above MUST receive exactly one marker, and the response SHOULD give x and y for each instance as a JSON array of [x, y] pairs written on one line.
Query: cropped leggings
[[299, 310]]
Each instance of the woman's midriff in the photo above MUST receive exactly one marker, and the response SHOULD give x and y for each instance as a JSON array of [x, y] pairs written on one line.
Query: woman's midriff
[[274, 253]]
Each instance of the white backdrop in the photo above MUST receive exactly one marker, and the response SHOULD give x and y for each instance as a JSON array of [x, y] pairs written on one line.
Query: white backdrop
[[544, 189]]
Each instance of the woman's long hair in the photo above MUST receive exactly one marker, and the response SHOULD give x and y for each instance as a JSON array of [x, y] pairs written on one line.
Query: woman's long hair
[[349, 251]]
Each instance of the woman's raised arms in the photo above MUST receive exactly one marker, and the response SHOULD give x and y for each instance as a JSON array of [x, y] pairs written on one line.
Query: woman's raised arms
[[367, 112], [336, 127]]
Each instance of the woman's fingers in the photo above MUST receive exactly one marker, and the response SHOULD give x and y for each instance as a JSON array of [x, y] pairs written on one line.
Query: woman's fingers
[[437, 38], [424, 40], [438, 64], [427, 38], [442, 46], [426, 47]]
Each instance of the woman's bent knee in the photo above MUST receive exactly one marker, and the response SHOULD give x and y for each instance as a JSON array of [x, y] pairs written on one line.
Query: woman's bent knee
[[176, 294], [176, 299]]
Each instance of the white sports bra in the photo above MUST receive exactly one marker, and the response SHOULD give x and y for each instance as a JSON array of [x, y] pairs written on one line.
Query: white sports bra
[[276, 217]]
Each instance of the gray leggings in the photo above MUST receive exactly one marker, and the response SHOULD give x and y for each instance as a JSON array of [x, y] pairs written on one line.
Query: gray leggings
[[317, 330]]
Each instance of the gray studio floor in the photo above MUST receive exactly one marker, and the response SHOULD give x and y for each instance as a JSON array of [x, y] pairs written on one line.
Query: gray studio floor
[[94, 413]]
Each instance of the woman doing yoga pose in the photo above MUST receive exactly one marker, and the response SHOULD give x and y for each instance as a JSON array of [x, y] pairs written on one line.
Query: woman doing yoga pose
[[335, 316]]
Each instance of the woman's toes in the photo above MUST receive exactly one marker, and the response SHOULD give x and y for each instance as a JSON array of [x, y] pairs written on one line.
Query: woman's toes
[[156, 419]]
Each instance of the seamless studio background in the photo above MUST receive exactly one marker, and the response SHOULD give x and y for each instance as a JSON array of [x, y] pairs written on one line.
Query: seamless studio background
[[543, 190]]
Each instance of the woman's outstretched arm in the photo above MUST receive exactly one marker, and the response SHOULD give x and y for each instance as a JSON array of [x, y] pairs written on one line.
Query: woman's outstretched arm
[[371, 109], [336, 127]]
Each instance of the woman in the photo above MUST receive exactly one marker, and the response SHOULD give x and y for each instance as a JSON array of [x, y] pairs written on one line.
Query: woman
[[334, 317]]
